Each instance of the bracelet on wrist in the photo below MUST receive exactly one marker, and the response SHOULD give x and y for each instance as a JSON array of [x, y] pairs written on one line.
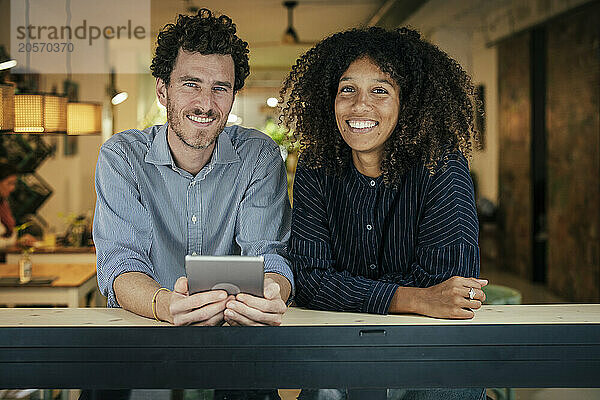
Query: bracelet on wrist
[[154, 302]]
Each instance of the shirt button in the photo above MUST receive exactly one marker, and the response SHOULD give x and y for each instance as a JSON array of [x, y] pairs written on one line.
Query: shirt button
[[194, 219], [194, 253], [372, 183], [373, 266], [369, 227]]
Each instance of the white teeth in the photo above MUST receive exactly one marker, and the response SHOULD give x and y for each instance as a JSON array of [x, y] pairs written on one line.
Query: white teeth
[[361, 124], [200, 119]]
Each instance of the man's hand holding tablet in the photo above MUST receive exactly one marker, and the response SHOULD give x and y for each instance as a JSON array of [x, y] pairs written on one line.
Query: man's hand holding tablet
[[204, 308], [202, 298], [246, 309]]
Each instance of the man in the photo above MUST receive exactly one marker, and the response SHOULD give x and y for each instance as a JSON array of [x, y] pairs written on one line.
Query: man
[[192, 186]]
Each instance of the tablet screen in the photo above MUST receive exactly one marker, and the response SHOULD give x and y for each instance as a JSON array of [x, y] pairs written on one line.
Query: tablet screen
[[234, 274]]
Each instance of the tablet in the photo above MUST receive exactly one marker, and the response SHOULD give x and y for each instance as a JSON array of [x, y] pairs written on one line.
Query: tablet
[[234, 274]]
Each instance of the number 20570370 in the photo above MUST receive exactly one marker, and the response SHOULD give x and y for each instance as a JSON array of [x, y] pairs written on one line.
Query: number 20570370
[[46, 47]]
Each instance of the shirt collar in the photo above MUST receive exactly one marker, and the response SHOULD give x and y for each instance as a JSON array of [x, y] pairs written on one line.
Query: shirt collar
[[363, 179], [224, 151], [160, 153]]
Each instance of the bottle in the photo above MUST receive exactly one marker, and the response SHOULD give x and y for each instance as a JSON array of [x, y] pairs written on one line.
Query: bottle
[[24, 269]]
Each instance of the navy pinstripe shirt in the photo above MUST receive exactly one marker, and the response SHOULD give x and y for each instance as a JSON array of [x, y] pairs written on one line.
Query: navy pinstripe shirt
[[354, 240]]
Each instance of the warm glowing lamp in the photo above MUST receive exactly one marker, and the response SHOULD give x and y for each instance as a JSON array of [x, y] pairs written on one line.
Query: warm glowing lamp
[[84, 118], [7, 108], [40, 113]]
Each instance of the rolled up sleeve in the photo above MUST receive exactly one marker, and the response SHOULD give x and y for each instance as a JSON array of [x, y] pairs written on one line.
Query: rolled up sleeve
[[122, 229]]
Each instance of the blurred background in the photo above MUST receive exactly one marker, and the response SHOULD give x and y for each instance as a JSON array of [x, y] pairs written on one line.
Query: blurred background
[[535, 64]]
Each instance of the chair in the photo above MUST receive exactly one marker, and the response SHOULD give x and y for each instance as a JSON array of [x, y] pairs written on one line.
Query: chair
[[498, 294]]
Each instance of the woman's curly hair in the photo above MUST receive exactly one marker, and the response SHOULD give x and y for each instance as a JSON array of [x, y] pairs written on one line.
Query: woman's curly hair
[[203, 33], [436, 100]]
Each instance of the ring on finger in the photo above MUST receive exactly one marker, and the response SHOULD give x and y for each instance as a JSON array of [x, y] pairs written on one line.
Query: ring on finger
[[471, 293]]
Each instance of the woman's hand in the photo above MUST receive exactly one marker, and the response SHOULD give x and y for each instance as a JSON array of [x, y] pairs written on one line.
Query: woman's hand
[[450, 299]]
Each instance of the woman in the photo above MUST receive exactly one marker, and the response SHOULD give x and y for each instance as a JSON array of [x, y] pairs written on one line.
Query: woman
[[8, 234], [384, 218]]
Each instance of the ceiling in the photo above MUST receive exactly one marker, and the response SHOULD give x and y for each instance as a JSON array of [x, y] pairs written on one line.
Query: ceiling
[[265, 21]]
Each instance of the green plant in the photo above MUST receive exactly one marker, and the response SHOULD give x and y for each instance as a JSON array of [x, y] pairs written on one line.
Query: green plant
[[78, 229], [280, 135]]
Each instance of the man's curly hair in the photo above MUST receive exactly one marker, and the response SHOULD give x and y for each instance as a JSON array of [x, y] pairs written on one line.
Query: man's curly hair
[[203, 33], [436, 100]]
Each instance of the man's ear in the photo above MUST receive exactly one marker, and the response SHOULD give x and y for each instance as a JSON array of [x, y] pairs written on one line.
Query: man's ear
[[161, 91]]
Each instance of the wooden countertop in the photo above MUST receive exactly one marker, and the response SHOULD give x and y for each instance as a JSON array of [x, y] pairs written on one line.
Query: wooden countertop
[[506, 314], [55, 250], [67, 275]]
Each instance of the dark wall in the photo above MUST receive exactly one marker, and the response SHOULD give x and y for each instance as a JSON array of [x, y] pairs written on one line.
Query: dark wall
[[514, 149], [570, 126], [573, 137]]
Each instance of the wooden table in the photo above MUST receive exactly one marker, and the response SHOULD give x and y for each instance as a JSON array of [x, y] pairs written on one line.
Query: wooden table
[[503, 346], [51, 255], [74, 284]]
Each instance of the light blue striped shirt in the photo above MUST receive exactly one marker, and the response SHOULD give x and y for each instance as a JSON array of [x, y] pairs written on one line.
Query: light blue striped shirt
[[150, 213]]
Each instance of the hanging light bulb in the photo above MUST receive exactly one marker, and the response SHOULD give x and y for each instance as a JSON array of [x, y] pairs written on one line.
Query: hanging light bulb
[[272, 102], [119, 97], [5, 61], [116, 96], [8, 64]]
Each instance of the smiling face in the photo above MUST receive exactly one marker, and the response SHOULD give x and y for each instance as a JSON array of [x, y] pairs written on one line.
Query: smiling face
[[198, 98], [366, 107]]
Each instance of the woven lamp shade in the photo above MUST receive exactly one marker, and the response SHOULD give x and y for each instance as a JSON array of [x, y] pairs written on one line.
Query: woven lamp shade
[[7, 108], [84, 118], [40, 113]]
